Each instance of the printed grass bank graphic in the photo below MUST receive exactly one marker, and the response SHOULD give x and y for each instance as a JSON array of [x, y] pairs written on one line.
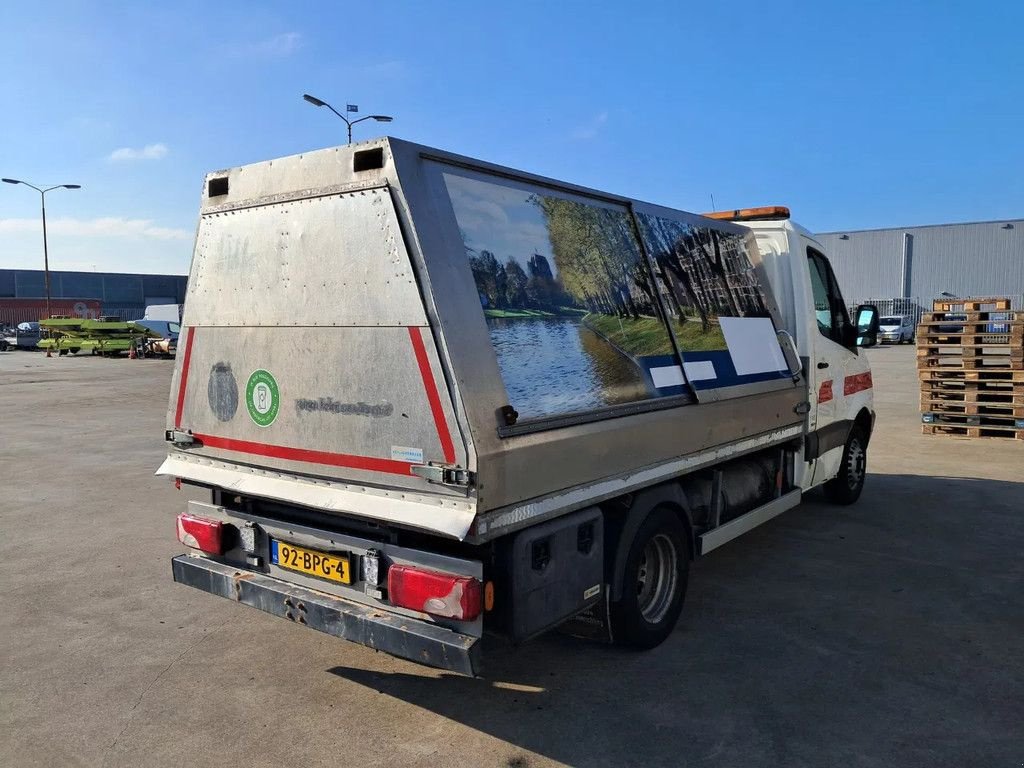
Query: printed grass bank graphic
[[262, 398], [580, 318]]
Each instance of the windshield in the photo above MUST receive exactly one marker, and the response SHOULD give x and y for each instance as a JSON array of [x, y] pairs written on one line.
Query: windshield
[[891, 321], [165, 327]]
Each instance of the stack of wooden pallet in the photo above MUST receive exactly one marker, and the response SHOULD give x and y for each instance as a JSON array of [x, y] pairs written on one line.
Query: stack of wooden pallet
[[970, 360]]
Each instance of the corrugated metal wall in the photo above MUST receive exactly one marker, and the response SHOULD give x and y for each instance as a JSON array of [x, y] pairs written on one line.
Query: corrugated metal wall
[[975, 259]]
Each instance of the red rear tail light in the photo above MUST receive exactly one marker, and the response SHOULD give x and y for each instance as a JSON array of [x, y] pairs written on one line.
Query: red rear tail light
[[200, 533], [439, 594]]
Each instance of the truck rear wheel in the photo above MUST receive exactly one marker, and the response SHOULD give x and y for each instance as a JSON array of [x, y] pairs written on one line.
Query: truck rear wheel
[[845, 488], [653, 582]]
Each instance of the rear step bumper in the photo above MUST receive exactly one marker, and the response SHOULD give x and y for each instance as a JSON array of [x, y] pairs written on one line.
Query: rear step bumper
[[398, 635]]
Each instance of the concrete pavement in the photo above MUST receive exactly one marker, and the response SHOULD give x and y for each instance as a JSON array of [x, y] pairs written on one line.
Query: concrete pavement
[[890, 633]]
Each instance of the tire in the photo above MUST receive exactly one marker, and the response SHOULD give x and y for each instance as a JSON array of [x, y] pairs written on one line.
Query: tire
[[845, 488], [654, 582]]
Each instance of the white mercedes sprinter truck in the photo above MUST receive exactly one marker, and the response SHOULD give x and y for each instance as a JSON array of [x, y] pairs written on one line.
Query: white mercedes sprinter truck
[[430, 397]]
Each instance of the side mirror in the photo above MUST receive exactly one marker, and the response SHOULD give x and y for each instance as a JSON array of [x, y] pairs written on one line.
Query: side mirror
[[867, 325]]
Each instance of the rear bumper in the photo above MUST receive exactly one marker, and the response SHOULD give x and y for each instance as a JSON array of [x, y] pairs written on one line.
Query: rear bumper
[[401, 636]]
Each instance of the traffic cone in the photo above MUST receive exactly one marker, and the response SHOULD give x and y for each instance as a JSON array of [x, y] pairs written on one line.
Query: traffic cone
[[131, 353]]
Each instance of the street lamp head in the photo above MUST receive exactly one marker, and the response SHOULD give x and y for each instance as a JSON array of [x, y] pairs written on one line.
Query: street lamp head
[[382, 118], [13, 181], [71, 186], [314, 100]]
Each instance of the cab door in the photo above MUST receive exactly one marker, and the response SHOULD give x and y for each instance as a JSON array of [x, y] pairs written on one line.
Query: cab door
[[835, 370]]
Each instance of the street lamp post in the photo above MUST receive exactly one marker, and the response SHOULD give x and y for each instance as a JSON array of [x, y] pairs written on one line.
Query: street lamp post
[[351, 108], [46, 254]]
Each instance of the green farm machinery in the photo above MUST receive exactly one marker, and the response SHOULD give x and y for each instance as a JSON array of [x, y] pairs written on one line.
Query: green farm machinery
[[106, 336]]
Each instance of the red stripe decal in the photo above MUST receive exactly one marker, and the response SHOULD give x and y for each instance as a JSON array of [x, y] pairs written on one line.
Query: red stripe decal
[[184, 376], [857, 383], [302, 454], [323, 457], [825, 391], [415, 334]]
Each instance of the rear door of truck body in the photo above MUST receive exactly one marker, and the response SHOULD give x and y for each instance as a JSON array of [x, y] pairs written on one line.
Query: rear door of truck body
[[307, 356]]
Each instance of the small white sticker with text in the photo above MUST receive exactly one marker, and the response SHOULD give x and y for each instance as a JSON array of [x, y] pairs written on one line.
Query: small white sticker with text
[[411, 455]]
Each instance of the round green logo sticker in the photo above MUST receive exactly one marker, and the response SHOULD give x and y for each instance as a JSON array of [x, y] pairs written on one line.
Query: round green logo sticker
[[262, 398]]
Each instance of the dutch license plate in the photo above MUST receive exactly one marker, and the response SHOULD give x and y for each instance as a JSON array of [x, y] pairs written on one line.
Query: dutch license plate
[[310, 562]]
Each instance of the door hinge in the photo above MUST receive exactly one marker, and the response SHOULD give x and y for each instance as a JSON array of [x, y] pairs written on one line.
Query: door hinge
[[177, 437], [802, 408], [437, 473]]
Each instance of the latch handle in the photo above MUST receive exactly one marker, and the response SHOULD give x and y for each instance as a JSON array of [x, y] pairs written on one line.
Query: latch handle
[[438, 473], [179, 438]]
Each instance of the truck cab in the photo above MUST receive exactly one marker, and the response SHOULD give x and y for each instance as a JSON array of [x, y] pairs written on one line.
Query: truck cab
[[841, 412]]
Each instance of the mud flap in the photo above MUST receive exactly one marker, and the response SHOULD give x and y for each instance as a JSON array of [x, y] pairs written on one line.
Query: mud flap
[[592, 624]]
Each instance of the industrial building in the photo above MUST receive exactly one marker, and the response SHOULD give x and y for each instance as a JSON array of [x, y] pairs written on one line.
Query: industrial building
[[898, 267], [122, 294], [919, 264]]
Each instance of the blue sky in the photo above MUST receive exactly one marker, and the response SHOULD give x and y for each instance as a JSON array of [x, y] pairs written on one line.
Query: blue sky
[[500, 218], [855, 114]]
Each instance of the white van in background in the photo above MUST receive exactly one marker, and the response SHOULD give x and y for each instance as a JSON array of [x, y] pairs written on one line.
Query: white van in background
[[896, 329], [166, 312]]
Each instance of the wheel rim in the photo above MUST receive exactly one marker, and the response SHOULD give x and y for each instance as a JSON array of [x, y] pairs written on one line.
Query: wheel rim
[[657, 578], [856, 464]]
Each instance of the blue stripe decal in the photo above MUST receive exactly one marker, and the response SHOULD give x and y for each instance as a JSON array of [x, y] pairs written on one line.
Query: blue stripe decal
[[660, 361], [726, 371]]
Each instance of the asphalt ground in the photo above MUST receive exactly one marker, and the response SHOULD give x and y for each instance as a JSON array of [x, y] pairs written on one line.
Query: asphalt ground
[[889, 633]]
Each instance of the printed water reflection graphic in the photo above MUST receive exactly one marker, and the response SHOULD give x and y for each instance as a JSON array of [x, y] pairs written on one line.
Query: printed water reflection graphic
[[557, 365]]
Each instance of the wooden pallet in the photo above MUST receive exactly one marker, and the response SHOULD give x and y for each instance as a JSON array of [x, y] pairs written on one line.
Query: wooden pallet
[[984, 363], [970, 360], [984, 340], [995, 396], [962, 431], [970, 373], [973, 420], [971, 319], [930, 349], [956, 333], [970, 408], [961, 305]]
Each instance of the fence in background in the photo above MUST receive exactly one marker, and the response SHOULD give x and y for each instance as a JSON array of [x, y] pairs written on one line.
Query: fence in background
[[915, 306]]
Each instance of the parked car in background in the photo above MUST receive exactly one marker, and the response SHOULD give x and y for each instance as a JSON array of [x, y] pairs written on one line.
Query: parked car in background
[[896, 328], [167, 344], [24, 336]]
